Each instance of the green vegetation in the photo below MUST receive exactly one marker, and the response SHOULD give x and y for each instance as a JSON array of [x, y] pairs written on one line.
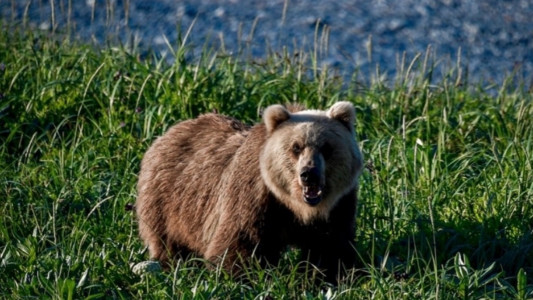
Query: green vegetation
[[446, 200]]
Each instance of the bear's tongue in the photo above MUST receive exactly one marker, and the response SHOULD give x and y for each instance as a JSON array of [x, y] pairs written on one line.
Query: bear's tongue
[[312, 194]]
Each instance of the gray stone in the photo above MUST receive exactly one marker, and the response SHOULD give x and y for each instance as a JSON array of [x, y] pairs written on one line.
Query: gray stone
[[148, 266], [494, 36]]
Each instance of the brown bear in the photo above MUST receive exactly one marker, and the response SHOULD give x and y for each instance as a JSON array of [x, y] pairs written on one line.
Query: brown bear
[[216, 188]]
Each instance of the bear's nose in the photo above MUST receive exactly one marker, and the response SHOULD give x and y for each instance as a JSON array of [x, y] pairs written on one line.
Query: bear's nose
[[310, 176]]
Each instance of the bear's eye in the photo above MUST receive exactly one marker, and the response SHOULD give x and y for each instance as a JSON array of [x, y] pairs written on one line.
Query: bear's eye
[[296, 149], [326, 150]]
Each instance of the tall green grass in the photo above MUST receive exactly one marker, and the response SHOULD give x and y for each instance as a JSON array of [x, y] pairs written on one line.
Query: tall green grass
[[446, 200]]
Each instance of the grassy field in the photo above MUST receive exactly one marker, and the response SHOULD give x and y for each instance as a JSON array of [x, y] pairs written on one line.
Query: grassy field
[[446, 200]]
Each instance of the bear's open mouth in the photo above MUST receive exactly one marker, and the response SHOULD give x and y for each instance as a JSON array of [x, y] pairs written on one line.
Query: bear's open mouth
[[312, 194]]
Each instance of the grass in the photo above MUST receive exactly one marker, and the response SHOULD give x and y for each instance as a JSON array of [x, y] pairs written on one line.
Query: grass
[[446, 200]]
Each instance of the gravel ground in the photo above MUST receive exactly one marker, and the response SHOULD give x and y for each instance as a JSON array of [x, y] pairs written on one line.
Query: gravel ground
[[494, 37]]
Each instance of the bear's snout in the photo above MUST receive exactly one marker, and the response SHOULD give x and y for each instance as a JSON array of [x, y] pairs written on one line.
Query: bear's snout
[[310, 176], [312, 188]]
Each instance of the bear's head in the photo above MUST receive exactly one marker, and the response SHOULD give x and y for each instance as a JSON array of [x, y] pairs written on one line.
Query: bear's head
[[310, 158]]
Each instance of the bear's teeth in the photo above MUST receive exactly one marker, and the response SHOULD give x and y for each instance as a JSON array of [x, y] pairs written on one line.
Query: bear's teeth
[[312, 195], [312, 191]]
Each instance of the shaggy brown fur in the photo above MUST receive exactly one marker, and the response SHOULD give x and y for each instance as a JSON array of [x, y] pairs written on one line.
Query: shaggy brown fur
[[216, 188]]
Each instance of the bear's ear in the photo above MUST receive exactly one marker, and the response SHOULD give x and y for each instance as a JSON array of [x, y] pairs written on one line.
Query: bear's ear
[[343, 112], [275, 115]]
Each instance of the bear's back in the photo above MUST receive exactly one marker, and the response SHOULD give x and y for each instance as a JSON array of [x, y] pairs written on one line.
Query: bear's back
[[191, 152]]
